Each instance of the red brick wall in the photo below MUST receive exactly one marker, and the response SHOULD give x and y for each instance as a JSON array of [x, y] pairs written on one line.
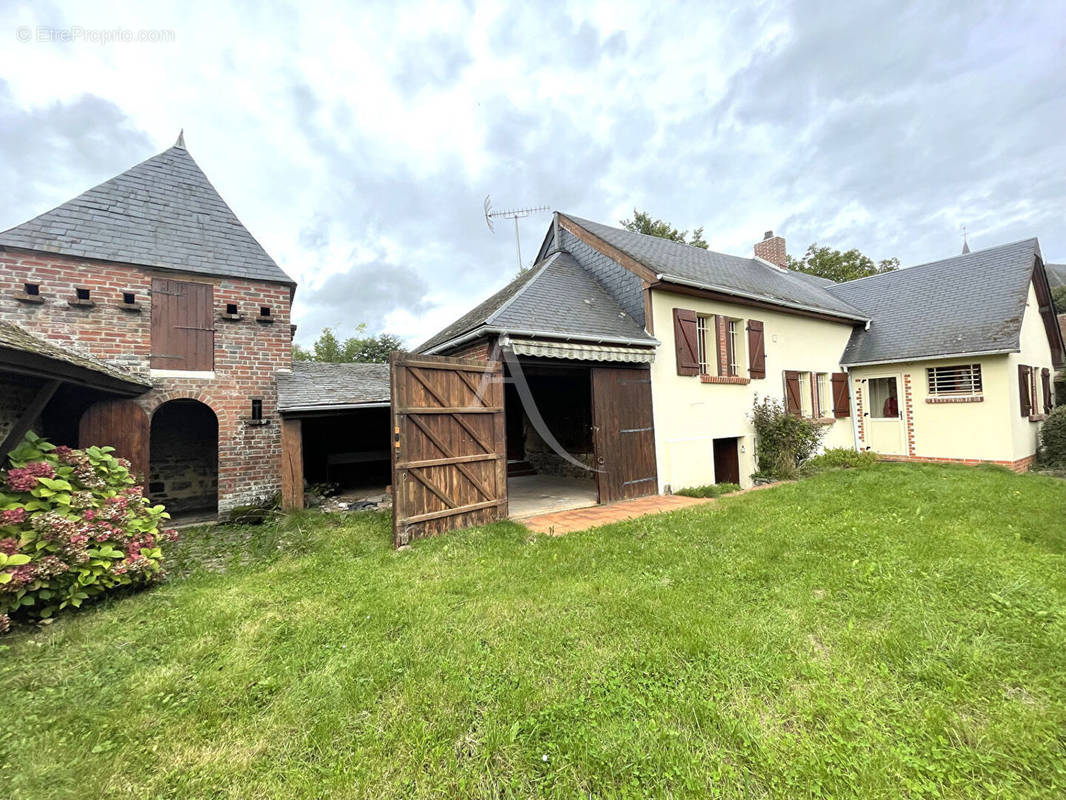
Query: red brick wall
[[772, 249], [479, 349], [247, 353]]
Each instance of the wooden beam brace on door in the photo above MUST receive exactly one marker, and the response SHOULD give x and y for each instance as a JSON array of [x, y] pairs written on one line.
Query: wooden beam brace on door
[[29, 416]]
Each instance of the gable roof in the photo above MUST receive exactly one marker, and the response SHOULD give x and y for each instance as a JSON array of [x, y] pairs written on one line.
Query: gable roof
[[163, 212], [971, 303], [554, 298], [749, 278], [21, 351], [312, 385]]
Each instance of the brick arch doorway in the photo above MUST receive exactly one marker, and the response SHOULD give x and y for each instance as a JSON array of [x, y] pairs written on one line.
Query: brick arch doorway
[[183, 458]]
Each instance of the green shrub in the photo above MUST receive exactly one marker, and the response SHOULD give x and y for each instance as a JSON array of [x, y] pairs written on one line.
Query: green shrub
[[1053, 438], [73, 525], [785, 441], [713, 490], [841, 458]]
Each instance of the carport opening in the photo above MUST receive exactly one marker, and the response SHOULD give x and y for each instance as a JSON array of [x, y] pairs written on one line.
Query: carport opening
[[183, 458], [539, 480], [348, 452]]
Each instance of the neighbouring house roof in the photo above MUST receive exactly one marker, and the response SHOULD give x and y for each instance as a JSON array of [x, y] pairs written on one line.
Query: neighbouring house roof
[[22, 352], [971, 303], [316, 386], [749, 278], [164, 213], [1056, 275], [555, 298]]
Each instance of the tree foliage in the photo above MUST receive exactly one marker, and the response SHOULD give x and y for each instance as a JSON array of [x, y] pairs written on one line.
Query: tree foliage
[[840, 266], [327, 348], [1058, 297], [785, 441], [642, 222]]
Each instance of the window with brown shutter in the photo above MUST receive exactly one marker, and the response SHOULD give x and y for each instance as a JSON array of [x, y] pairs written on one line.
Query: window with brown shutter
[[1024, 392], [1045, 379], [685, 341], [841, 395], [756, 350], [183, 330], [793, 401]]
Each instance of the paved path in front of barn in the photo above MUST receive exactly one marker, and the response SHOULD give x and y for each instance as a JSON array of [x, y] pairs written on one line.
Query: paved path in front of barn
[[580, 519]]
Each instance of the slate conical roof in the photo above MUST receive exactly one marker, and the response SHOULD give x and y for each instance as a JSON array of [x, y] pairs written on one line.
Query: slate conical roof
[[164, 212]]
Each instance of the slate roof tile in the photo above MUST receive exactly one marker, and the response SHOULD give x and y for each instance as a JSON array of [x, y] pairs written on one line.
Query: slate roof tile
[[163, 212], [316, 384], [971, 303]]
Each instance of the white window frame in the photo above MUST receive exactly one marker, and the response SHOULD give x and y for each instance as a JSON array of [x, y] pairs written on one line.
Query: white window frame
[[731, 332], [821, 395], [941, 383], [702, 328]]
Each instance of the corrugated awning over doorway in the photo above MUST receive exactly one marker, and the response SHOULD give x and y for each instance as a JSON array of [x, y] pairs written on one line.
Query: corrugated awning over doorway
[[579, 351]]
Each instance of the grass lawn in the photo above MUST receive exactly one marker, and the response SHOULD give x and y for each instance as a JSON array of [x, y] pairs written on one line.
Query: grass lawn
[[894, 631]]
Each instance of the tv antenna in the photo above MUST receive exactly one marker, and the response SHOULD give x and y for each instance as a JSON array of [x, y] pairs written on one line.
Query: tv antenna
[[515, 214]]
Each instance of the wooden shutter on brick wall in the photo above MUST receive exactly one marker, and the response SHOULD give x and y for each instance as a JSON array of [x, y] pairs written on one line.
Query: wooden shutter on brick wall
[[1024, 392], [183, 325], [1045, 380], [685, 340], [792, 393], [756, 350], [841, 396]]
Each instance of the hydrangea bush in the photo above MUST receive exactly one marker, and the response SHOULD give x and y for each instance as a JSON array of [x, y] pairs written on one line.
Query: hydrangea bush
[[73, 525]]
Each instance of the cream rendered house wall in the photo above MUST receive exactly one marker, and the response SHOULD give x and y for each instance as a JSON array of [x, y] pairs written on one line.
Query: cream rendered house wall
[[990, 430], [1035, 352], [689, 414], [965, 431]]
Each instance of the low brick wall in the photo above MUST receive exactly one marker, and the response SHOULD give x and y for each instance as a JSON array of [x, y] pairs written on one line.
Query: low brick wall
[[1021, 465]]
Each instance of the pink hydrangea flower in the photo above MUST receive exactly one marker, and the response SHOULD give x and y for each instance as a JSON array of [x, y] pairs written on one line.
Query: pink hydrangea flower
[[24, 479], [13, 516], [9, 546]]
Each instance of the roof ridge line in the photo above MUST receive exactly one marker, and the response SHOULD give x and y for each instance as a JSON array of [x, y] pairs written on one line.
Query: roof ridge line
[[652, 236], [937, 261]]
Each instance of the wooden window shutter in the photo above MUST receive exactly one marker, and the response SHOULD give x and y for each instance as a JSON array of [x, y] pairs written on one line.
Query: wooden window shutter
[[841, 395], [183, 329], [685, 333], [756, 350], [792, 393], [1045, 379], [1023, 390]]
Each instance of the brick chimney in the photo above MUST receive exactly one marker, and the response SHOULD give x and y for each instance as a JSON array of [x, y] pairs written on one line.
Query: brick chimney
[[772, 249]]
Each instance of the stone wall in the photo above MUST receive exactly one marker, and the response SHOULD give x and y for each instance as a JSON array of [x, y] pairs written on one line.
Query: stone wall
[[247, 355], [16, 393]]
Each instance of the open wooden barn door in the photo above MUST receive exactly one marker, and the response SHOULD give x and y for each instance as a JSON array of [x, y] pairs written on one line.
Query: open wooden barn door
[[449, 462]]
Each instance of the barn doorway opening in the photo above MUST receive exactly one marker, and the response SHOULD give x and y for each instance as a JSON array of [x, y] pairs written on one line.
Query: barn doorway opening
[[346, 454], [183, 458], [539, 480]]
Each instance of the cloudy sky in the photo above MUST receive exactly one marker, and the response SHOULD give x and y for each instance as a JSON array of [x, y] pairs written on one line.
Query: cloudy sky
[[357, 141]]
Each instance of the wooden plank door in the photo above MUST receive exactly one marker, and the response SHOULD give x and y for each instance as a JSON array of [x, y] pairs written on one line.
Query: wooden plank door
[[623, 433], [121, 424], [449, 462], [183, 325]]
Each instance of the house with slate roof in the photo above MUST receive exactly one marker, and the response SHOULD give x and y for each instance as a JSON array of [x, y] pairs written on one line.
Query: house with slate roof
[[643, 357], [151, 280]]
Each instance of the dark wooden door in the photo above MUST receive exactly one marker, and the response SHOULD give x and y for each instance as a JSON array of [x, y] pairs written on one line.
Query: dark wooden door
[[726, 461], [183, 325], [623, 433], [121, 424], [449, 461]]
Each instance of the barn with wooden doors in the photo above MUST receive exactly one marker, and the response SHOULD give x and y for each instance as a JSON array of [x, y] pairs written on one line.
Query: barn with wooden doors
[[151, 274], [334, 429], [46, 388], [576, 427]]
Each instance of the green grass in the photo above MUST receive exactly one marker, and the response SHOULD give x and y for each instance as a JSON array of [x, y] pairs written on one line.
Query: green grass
[[885, 632], [711, 490]]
